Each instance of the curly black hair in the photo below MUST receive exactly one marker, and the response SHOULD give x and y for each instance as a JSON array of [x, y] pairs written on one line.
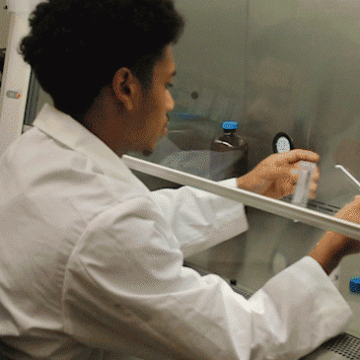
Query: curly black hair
[[75, 47]]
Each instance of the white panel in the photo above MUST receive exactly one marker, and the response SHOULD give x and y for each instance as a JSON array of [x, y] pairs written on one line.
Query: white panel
[[14, 85], [22, 6]]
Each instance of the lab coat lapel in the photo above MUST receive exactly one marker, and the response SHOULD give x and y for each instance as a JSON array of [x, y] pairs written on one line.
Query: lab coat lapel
[[69, 132]]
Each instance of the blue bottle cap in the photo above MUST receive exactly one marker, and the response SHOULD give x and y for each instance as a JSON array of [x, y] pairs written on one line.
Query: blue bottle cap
[[229, 125], [355, 284]]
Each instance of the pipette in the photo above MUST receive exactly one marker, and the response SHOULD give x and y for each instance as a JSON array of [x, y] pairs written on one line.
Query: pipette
[[347, 173]]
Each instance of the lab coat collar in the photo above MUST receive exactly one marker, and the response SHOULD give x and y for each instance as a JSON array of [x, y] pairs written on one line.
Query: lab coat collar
[[71, 133]]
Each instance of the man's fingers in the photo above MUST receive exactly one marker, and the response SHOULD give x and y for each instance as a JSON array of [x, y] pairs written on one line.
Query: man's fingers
[[313, 188], [316, 175], [296, 155], [351, 211]]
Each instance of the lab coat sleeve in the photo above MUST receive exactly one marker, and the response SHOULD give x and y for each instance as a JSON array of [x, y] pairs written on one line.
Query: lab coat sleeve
[[200, 219], [126, 291]]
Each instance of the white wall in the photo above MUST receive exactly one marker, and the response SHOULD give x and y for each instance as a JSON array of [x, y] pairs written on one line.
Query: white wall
[[4, 24]]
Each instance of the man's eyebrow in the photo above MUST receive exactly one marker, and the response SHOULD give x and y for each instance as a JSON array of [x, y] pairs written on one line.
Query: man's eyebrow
[[174, 73]]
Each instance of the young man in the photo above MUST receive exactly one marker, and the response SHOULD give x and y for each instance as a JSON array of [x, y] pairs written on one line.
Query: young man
[[92, 261]]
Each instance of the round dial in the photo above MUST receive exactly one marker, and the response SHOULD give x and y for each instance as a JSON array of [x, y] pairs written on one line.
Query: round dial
[[282, 143]]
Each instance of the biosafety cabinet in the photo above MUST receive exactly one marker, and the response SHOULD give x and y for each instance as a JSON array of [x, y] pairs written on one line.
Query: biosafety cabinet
[[273, 66]]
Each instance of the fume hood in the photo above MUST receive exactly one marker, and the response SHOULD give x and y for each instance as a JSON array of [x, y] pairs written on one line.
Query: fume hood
[[273, 67]]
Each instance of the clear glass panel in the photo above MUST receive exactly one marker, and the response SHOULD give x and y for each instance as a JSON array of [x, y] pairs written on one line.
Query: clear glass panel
[[300, 77], [272, 67], [209, 87], [303, 79]]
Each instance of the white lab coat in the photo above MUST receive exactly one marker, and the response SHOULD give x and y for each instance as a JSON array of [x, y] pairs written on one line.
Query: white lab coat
[[91, 264]]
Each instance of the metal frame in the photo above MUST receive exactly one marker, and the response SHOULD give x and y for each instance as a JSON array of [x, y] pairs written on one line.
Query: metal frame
[[273, 206]]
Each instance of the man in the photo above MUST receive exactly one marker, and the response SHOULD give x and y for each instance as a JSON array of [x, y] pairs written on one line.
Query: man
[[91, 260]]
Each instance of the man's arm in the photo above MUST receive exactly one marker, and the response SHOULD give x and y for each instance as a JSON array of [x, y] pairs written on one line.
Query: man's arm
[[276, 176], [200, 219], [333, 247]]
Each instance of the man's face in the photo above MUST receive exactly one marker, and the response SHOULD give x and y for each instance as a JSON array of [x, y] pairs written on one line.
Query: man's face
[[152, 117]]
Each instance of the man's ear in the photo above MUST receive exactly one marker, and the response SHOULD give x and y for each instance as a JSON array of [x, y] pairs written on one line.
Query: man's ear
[[126, 87]]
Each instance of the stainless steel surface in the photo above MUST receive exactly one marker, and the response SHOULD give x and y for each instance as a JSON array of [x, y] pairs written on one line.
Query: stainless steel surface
[[211, 59], [342, 347], [350, 176]]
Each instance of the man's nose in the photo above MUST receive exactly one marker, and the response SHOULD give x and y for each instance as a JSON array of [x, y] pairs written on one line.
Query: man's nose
[[170, 102]]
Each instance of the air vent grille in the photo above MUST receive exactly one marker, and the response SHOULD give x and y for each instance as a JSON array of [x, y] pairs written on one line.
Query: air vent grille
[[242, 292], [346, 345], [317, 206]]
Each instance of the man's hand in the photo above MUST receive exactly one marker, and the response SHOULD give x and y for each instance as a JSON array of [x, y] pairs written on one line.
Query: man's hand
[[333, 247], [276, 176]]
